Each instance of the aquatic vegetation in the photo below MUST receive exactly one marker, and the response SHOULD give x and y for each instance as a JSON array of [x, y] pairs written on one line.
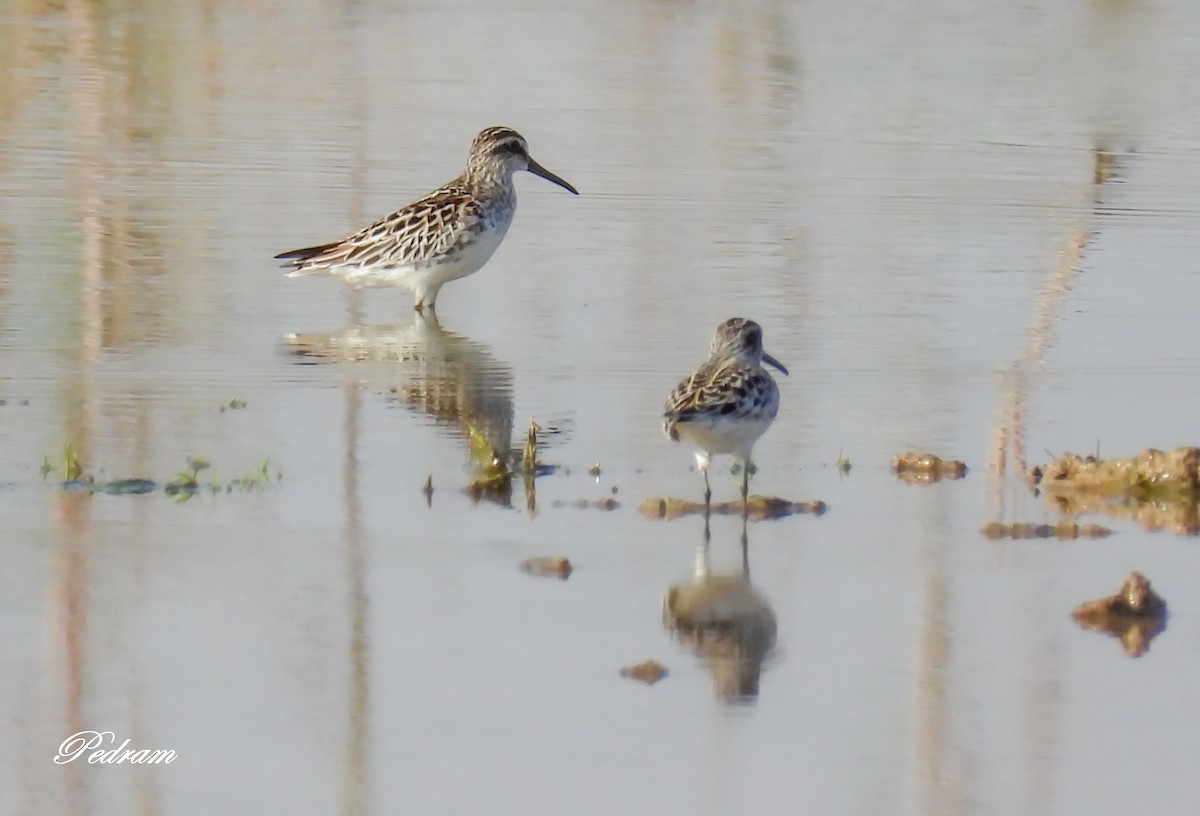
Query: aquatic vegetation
[[1134, 615], [926, 468], [494, 470], [180, 487], [843, 462], [254, 480], [493, 483], [68, 465], [529, 460], [235, 404], [185, 484]]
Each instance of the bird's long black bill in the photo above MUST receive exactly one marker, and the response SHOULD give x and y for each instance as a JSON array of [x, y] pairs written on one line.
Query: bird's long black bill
[[538, 170], [769, 360]]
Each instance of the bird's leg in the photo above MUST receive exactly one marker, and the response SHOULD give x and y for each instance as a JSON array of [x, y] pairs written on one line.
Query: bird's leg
[[746, 486], [702, 553], [707, 493], [745, 550]]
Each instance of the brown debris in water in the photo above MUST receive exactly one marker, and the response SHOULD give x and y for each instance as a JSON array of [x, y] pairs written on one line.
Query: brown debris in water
[[1063, 530], [1157, 489], [926, 468], [649, 672], [584, 504], [545, 566], [1135, 615], [760, 507], [1104, 165]]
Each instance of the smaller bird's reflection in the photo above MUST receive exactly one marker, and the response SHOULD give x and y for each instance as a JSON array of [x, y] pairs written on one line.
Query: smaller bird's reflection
[[448, 377], [725, 621]]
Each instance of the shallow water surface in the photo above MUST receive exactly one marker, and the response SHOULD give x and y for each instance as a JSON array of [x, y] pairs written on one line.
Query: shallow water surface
[[965, 229]]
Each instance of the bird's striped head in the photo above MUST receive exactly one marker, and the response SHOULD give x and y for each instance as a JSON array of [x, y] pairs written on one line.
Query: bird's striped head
[[741, 339], [498, 152]]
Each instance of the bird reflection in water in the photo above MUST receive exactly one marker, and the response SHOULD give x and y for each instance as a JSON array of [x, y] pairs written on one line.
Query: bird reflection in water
[[445, 376], [725, 621]]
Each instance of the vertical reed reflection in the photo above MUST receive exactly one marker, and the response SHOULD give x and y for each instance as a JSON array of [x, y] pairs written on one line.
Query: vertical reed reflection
[[1049, 308], [76, 536], [356, 784], [114, 98], [357, 756]]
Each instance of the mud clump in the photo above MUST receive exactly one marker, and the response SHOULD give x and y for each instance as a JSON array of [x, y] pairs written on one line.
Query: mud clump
[[648, 672], [1157, 489], [926, 468], [547, 567], [1135, 615], [1152, 474]]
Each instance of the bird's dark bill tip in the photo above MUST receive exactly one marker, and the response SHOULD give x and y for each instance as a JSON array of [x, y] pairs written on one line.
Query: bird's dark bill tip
[[538, 170], [771, 361]]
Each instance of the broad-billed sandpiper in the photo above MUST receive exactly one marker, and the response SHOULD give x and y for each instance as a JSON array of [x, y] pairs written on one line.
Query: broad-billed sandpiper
[[446, 235], [727, 403]]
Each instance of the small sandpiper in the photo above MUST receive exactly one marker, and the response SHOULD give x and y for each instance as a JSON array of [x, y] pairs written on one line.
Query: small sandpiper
[[446, 235], [727, 403]]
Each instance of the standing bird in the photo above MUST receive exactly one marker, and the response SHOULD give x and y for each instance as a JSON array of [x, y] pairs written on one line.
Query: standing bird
[[446, 235], [727, 403]]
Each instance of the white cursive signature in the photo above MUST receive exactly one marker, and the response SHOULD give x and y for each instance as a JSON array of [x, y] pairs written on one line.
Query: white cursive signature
[[74, 746]]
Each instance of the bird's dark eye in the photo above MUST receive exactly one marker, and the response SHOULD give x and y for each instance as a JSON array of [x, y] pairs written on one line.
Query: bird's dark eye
[[509, 149]]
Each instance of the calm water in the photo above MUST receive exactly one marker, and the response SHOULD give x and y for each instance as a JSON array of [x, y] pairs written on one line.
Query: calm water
[[905, 198]]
